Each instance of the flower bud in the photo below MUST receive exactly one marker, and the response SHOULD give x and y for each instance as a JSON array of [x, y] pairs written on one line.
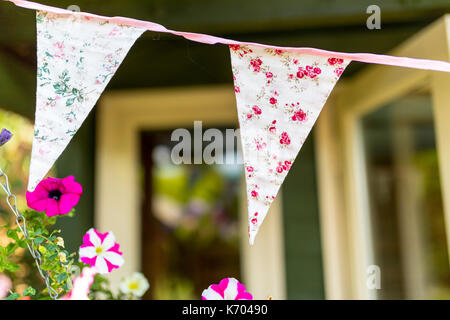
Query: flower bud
[[60, 241], [62, 257]]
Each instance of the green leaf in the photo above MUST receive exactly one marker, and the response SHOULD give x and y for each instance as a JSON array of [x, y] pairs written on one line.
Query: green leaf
[[46, 267], [51, 247], [11, 248], [12, 267], [12, 234], [53, 256], [38, 240], [70, 102], [51, 220], [13, 296], [61, 277], [29, 292]]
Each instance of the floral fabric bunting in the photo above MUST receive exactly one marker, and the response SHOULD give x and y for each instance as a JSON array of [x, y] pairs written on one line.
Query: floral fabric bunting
[[77, 56], [279, 96]]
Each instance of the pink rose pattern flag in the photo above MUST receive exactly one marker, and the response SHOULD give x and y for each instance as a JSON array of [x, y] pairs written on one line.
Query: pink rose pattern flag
[[279, 96], [77, 56]]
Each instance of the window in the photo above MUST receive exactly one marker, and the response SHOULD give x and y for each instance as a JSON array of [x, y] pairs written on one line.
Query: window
[[404, 192], [190, 230]]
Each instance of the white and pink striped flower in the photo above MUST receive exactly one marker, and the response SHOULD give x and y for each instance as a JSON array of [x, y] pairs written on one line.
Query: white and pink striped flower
[[227, 289], [101, 251]]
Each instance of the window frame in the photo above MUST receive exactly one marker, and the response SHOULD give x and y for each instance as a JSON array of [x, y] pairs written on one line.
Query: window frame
[[347, 246]]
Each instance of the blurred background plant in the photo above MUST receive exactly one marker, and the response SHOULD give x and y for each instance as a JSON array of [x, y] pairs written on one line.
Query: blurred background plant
[[14, 160]]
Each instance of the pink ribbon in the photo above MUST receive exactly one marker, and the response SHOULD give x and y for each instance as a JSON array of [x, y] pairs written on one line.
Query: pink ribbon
[[424, 64]]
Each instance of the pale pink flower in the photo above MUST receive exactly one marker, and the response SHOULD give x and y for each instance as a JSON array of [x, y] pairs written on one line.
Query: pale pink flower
[[227, 289], [81, 285], [5, 286], [100, 250]]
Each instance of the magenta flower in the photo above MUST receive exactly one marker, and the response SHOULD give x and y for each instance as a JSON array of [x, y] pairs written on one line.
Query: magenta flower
[[101, 251], [227, 289], [55, 196], [5, 136]]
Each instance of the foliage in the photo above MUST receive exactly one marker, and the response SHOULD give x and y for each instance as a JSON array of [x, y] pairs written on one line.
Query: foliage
[[54, 258]]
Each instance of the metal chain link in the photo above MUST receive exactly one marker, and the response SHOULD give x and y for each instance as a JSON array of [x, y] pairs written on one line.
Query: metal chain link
[[11, 200]]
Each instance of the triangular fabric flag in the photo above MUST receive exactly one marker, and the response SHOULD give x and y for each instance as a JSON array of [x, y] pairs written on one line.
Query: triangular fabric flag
[[279, 96], [76, 58]]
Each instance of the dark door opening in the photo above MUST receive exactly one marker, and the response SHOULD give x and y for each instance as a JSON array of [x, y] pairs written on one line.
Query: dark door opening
[[189, 221]]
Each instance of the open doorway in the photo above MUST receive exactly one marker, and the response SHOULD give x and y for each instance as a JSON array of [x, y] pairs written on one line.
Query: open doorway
[[190, 216]]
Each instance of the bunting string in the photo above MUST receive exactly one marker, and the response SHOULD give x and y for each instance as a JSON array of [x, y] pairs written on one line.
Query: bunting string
[[280, 91]]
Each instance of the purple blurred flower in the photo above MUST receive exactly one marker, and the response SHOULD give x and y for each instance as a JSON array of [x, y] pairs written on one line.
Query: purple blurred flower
[[5, 136]]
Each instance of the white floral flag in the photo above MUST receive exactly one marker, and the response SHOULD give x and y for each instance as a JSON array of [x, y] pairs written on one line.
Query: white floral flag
[[279, 96], [76, 57]]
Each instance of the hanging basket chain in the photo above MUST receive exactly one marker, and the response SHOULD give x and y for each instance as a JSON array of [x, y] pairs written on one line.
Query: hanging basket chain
[[11, 200]]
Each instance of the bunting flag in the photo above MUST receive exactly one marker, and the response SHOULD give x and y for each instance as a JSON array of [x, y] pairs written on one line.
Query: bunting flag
[[280, 91], [279, 96], [76, 58]]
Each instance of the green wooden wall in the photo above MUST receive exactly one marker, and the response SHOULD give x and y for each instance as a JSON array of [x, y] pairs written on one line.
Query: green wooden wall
[[79, 160], [304, 272]]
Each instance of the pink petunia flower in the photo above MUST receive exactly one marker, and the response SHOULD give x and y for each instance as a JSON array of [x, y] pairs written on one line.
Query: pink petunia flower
[[81, 284], [101, 251], [227, 289], [55, 196]]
